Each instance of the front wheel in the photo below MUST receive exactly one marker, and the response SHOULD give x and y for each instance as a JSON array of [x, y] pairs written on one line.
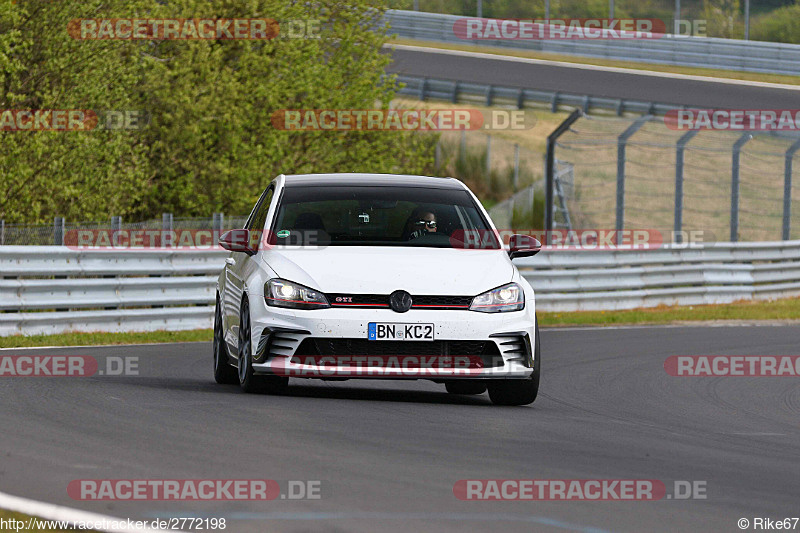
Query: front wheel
[[248, 381], [224, 373], [519, 391]]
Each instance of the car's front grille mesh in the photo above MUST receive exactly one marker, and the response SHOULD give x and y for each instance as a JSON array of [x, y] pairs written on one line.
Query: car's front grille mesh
[[487, 351], [382, 300]]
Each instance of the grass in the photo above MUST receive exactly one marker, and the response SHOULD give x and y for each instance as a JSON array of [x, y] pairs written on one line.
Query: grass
[[10, 515], [635, 65], [97, 338], [776, 310]]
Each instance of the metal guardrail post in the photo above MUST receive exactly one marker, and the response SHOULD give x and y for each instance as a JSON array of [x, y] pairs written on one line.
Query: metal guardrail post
[[787, 190], [549, 169], [58, 231], [622, 140], [462, 152], [681, 146], [737, 148]]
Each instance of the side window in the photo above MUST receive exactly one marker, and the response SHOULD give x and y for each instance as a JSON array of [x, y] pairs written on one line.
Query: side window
[[259, 216]]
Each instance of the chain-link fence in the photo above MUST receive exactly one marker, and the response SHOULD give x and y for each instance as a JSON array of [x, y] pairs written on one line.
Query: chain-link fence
[[59, 232], [641, 174]]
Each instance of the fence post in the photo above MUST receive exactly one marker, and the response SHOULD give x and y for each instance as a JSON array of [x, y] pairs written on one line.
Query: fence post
[[516, 167], [737, 148], [217, 225], [116, 227], [437, 155], [622, 140], [787, 190], [166, 229], [682, 142], [488, 158], [549, 168], [58, 231], [462, 155], [2, 232]]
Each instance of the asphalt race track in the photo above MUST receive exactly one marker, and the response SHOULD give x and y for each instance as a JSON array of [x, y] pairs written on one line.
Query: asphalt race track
[[431, 63], [388, 453]]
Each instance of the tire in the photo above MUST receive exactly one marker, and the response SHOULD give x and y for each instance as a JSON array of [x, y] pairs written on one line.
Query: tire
[[519, 391], [248, 381], [224, 372], [465, 387]]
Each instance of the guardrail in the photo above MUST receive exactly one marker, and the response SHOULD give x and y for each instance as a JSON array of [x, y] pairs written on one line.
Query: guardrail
[[459, 92], [674, 275], [50, 289], [707, 52]]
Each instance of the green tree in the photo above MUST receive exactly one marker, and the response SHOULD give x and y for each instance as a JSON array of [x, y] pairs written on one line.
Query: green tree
[[210, 145]]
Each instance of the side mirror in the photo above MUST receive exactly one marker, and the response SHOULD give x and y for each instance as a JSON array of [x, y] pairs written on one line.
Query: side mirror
[[238, 240], [523, 246]]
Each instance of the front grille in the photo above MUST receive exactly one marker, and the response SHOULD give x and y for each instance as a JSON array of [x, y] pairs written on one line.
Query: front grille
[[442, 301], [382, 300], [486, 351]]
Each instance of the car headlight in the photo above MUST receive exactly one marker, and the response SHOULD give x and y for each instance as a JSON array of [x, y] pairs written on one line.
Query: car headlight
[[282, 293], [506, 298]]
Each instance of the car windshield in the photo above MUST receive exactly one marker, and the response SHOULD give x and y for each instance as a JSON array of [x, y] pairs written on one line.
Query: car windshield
[[378, 216]]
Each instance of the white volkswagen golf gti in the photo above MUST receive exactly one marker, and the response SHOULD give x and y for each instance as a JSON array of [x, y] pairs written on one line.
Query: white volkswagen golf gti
[[354, 276]]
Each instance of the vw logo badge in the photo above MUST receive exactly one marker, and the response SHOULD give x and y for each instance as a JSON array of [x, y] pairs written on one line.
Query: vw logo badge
[[400, 301]]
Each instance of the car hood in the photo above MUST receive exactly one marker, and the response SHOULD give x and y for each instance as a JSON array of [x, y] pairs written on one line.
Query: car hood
[[382, 270]]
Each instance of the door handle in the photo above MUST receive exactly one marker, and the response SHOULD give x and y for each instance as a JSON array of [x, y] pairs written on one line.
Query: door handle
[[230, 260]]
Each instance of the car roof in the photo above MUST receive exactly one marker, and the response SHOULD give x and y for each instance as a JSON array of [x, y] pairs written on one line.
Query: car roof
[[371, 180]]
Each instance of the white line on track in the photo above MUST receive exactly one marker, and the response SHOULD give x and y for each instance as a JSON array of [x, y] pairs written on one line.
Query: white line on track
[[103, 345], [584, 66], [48, 511]]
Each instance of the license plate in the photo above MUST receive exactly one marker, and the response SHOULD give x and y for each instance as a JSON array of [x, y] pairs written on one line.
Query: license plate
[[394, 331]]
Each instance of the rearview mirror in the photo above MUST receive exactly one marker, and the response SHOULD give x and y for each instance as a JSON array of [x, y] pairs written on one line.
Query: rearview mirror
[[238, 240], [523, 246]]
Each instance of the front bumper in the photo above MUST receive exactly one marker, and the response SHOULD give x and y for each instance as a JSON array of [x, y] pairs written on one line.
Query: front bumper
[[277, 333]]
